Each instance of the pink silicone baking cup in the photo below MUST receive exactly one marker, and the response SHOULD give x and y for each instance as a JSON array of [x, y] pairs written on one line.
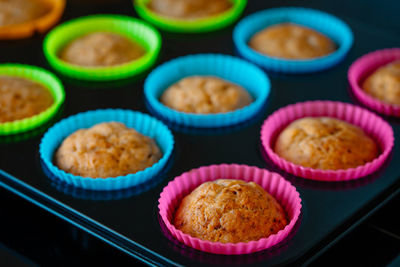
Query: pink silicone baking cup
[[362, 68], [373, 125], [273, 183]]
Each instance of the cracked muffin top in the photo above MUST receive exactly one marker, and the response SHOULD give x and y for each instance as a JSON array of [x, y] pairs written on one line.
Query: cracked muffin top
[[19, 11], [21, 98], [291, 41], [229, 211], [108, 149], [204, 95], [384, 83], [325, 143]]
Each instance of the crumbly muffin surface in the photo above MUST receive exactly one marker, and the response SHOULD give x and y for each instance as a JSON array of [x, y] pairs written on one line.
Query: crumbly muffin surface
[[384, 83], [189, 9], [21, 98], [291, 41], [20, 11], [107, 149], [230, 211], [205, 94], [325, 143], [100, 49]]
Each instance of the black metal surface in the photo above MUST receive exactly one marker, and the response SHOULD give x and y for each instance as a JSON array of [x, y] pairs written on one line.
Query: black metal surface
[[329, 209]]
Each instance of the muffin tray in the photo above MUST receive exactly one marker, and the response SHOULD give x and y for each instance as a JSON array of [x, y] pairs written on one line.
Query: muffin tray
[[128, 219]]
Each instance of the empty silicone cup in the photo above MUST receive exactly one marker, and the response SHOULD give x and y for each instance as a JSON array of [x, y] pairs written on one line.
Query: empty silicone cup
[[229, 68], [141, 122], [273, 183], [43, 77], [332, 27], [373, 125], [131, 28], [40, 24], [365, 66], [194, 25]]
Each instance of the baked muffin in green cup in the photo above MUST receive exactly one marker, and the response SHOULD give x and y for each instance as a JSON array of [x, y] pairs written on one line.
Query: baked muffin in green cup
[[190, 16], [102, 47], [29, 97]]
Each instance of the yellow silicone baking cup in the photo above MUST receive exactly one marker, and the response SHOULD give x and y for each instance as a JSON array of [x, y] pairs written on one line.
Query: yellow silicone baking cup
[[131, 28], [41, 24], [197, 25], [39, 75]]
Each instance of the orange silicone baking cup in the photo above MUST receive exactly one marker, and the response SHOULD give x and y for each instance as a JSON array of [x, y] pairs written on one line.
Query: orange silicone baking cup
[[41, 24]]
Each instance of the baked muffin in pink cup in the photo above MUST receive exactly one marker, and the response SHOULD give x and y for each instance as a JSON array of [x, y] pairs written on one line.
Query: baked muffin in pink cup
[[366, 66], [372, 126], [280, 189]]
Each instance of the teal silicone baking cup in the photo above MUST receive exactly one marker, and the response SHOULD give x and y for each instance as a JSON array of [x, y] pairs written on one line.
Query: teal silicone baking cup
[[43, 77], [141, 122], [197, 25], [133, 29]]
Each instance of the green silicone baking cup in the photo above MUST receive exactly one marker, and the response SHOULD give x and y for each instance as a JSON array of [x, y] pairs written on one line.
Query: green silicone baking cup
[[131, 28], [199, 25], [45, 78]]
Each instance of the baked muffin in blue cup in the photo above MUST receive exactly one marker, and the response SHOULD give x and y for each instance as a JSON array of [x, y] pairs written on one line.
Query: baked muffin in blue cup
[[321, 22], [217, 68], [144, 124]]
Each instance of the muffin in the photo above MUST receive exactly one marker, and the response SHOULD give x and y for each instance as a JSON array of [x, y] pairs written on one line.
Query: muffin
[[20, 11], [21, 98], [291, 41], [384, 83], [189, 9], [229, 211], [205, 95], [101, 49], [107, 149], [325, 143]]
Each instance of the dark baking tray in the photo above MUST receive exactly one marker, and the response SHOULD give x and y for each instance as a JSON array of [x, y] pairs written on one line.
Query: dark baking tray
[[128, 219]]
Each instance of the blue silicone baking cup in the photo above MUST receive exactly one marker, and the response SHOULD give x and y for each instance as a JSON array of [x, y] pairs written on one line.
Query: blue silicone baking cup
[[143, 123], [229, 68], [334, 28]]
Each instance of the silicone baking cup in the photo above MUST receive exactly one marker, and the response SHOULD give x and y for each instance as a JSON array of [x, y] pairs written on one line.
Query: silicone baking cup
[[235, 70], [41, 24], [43, 77], [143, 123], [372, 124], [131, 28], [273, 183], [365, 66], [196, 25], [322, 22]]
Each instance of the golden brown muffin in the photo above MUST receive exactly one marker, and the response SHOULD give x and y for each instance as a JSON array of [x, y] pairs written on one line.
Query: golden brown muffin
[[205, 94], [189, 9], [101, 49], [325, 143], [21, 98], [291, 41], [384, 83], [20, 11], [108, 149], [229, 211]]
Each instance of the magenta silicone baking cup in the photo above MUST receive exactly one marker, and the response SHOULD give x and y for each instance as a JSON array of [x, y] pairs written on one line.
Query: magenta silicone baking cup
[[362, 68], [273, 183], [373, 125]]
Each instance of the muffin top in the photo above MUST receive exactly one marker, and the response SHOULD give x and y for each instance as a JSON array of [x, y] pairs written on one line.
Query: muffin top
[[108, 149], [100, 49], [189, 9], [384, 83], [20, 11], [229, 211], [204, 95], [325, 143], [21, 98], [291, 41]]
